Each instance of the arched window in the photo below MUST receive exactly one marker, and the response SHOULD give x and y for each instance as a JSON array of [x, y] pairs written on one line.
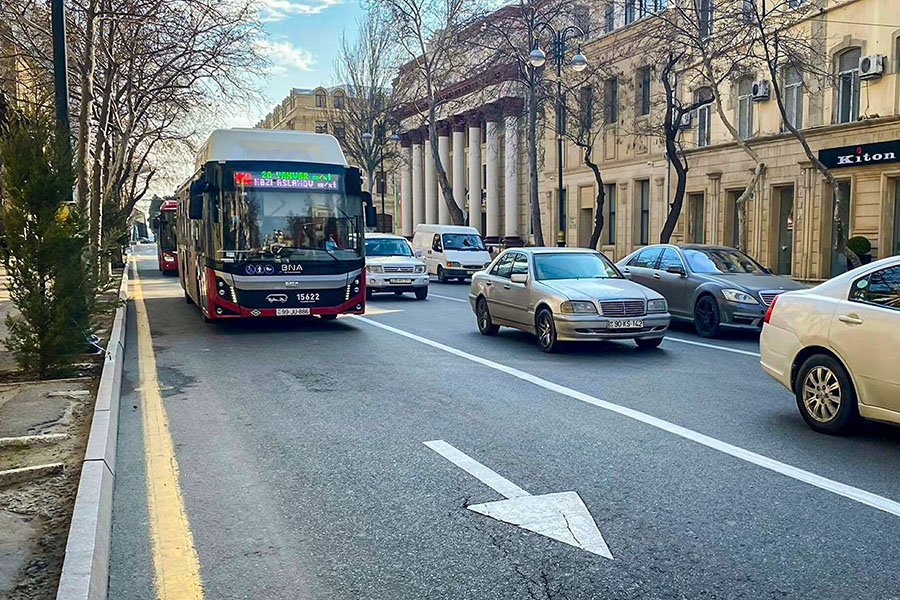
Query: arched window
[[338, 100], [745, 107], [793, 96], [848, 86], [320, 99], [701, 95]]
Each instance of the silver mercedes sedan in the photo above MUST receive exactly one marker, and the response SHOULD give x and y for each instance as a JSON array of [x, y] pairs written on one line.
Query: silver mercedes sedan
[[566, 294]]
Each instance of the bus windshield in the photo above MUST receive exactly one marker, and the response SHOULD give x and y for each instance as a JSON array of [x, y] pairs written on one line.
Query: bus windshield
[[166, 232], [262, 223]]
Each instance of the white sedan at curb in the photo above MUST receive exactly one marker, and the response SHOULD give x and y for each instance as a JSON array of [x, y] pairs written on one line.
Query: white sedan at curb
[[837, 347]]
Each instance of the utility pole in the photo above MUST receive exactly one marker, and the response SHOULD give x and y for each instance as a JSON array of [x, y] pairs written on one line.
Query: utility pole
[[60, 79]]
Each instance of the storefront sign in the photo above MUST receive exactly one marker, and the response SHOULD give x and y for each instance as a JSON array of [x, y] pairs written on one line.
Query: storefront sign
[[862, 155]]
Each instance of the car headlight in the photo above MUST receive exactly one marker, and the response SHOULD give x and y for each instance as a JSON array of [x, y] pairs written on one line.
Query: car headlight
[[656, 306], [420, 268], [375, 268], [451, 263], [739, 297], [572, 307]]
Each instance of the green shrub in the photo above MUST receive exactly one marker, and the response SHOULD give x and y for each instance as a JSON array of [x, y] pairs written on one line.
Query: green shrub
[[859, 245], [49, 282]]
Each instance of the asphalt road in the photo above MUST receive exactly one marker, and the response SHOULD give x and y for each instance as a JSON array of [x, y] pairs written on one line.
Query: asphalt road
[[304, 473]]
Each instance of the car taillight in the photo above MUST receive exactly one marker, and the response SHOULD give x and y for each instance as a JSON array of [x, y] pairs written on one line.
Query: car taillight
[[769, 310]]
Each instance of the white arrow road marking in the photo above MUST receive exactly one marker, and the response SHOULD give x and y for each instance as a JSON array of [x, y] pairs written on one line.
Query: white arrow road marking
[[561, 516]]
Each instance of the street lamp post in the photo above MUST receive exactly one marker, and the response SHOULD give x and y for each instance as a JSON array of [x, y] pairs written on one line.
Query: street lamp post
[[537, 58]]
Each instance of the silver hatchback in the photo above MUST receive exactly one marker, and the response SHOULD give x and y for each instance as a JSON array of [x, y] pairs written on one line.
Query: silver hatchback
[[566, 294]]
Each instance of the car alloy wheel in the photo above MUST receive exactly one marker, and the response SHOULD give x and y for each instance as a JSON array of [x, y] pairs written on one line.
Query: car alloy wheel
[[706, 317], [440, 275], [821, 394], [485, 323], [546, 331]]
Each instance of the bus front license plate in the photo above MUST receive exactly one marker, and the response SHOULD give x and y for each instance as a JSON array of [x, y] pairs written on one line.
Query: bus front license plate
[[291, 312]]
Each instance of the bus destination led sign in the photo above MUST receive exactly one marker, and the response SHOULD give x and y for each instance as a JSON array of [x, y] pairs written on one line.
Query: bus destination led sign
[[298, 180]]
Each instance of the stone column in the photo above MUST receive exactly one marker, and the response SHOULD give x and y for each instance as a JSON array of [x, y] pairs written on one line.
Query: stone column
[[492, 181], [444, 155], [431, 185], [712, 219], [418, 180], [511, 233], [459, 163], [473, 120], [406, 202]]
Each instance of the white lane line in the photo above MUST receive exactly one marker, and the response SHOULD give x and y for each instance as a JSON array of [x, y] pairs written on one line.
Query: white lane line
[[669, 338], [841, 489], [447, 298], [492, 479]]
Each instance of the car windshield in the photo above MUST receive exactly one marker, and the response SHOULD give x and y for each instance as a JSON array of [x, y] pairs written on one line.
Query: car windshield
[[387, 247], [462, 241], [566, 265], [721, 261]]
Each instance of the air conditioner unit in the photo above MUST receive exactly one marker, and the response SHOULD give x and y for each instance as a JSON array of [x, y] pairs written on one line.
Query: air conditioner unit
[[871, 67], [760, 90], [686, 120]]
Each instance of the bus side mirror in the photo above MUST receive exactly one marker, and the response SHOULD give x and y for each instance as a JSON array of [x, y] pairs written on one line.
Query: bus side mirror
[[353, 184], [369, 208], [154, 223]]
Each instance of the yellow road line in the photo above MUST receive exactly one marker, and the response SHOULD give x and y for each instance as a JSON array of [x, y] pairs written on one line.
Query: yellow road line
[[175, 562]]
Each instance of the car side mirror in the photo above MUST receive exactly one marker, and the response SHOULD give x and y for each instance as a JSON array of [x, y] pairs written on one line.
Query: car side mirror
[[626, 274], [676, 269], [418, 254], [519, 278], [767, 270]]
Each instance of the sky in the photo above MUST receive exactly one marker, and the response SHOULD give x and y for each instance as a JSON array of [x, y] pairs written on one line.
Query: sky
[[303, 41]]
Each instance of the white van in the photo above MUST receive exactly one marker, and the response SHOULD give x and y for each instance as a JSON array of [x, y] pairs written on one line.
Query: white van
[[450, 251]]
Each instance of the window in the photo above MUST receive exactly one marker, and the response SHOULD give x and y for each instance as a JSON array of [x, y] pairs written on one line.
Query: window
[[881, 288], [612, 100], [582, 17], [339, 131], [338, 100], [644, 195], [745, 108], [670, 258], [321, 127], [609, 18], [721, 260], [646, 259], [586, 108], [748, 11], [503, 266], [629, 11], [848, 86], [573, 265], [705, 17], [611, 208], [703, 113], [436, 243], [643, 91], [793, 96], [520, 265], [320, 99]]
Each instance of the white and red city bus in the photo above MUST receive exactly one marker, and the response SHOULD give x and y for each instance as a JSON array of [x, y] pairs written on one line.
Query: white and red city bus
[[164, 228], [272, 224]]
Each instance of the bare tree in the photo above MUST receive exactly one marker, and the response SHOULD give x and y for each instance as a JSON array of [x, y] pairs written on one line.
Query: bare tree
[[364, 70], [430, 32]]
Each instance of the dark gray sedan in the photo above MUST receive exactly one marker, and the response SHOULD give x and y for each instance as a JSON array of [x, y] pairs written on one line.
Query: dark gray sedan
[[713, 286]]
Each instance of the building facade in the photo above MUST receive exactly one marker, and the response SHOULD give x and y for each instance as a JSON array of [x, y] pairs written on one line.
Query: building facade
[[319, 110], [851, 118]]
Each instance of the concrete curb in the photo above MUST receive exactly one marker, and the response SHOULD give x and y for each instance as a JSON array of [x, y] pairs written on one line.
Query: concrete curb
[[85, 572]]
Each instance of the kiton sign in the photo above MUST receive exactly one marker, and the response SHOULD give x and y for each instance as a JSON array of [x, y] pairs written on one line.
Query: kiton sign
[[858, 156]]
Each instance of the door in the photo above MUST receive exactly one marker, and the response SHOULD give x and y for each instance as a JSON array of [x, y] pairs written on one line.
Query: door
[[785, 251], [498, 285], [642, 266], [864, 333], [585, 227], [517, 295], [698, 212], [838, 260], [675, 288], [435, 254]]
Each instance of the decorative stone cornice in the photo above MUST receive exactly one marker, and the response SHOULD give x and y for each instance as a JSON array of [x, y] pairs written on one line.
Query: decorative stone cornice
[[714, 175], [458, 124], [473, 118], [442, 128]]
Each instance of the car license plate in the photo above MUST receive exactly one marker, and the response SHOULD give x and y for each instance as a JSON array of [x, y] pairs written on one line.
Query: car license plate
[[291, 312], [401, 280], [626, 324]]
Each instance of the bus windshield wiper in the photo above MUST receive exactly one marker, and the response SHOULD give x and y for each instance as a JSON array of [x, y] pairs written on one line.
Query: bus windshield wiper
[[325, 250]]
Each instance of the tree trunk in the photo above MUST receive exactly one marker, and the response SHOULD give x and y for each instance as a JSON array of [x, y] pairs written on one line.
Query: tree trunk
[[599, 220], [85, 110], [680, 185], [534, 201]]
